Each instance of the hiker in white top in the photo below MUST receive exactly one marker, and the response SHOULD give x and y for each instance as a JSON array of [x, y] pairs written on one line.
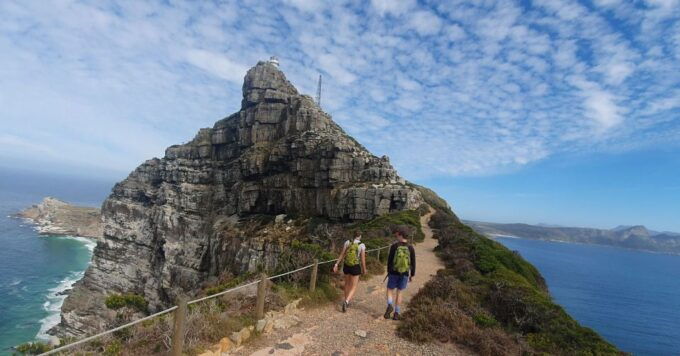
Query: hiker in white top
[[353, 256]]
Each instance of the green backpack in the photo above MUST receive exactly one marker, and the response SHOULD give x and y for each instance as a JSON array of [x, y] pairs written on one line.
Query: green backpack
[[402, 259], [352, 257]]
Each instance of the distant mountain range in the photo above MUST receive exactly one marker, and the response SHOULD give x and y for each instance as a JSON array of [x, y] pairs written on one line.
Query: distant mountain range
[[635, 237]]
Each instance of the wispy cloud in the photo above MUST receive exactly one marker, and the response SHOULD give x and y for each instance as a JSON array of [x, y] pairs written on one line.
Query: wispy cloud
[[217, 64], [444, 88]]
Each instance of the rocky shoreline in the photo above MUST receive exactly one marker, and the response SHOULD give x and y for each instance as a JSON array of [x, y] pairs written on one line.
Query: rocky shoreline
[[56, 217]]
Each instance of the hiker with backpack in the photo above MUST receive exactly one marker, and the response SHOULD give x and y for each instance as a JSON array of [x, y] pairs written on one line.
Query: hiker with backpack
[[401, 267], [353, 256]]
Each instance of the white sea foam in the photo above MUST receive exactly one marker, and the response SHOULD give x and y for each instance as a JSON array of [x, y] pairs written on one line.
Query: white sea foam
[[52, 305], [55, 297], [506, 236], [89, 243]]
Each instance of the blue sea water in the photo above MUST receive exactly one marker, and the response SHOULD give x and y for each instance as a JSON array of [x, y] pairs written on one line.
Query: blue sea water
[[34, 269], [631, 298]]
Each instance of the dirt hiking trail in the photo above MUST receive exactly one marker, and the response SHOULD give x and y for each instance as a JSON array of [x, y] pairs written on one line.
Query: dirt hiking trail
[[362, 330]]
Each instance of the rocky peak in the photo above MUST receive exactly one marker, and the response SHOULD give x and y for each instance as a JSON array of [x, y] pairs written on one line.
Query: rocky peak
[[174, 222], [266, 83]]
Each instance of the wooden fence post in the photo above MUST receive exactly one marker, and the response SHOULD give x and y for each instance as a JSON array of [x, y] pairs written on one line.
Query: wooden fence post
[[179, 327], [261, 293], [315, 271], [378, 255]]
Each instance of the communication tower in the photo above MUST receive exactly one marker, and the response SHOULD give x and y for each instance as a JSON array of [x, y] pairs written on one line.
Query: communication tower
[[318, 92]]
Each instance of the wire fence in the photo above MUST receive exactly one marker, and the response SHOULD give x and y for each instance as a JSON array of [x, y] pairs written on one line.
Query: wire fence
[[176, 307]]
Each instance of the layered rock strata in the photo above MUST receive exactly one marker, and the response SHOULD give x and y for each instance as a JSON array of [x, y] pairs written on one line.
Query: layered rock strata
[[174, 222]]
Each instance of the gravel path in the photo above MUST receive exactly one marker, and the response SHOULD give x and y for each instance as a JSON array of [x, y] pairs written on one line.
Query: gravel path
[[327, 331]]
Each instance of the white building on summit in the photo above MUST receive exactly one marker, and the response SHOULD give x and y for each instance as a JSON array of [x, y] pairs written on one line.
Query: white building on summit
[[274, 60]]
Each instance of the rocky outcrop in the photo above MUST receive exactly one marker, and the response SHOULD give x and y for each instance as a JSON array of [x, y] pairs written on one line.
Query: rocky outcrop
[[55, 217], [178, 221]]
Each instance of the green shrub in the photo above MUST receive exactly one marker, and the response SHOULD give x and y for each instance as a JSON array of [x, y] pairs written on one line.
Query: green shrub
[[113, 349], [33, 348], [117, 301], [485, 320]]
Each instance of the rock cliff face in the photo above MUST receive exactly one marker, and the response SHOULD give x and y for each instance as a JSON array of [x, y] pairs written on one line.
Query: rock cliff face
[[55, 217], [175, 222]]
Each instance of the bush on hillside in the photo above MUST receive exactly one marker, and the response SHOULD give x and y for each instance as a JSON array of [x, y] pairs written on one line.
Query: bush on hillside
[[117, 301], [493, 301], [33, 348]]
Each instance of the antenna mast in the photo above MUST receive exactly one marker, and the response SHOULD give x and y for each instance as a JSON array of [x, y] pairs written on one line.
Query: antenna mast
[[318, 92]]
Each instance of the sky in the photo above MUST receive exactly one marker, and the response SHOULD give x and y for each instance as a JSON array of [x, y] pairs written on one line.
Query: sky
[[560, 112]]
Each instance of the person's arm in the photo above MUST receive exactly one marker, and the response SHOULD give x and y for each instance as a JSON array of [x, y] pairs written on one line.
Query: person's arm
[[390, 259], [363, 260], [342, 255], [413, 261]]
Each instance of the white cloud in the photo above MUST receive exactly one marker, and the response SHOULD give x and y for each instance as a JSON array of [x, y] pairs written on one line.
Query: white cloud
[[394, 7], [336, 68], [601, 107], [455, 33], [617, 72], [217, 64], [306, 5], [607, 3], [425, 23]]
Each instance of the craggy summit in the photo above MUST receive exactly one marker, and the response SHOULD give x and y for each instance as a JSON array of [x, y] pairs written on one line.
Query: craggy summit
[[178, 221]]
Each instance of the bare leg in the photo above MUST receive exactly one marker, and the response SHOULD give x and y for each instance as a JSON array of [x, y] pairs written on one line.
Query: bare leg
[[390, 295], [355, 283], [397, 300], [347, 286], [390, 302]]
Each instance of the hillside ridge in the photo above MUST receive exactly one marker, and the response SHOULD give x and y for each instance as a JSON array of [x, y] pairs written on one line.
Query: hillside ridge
[[636, 237], [192, 217]]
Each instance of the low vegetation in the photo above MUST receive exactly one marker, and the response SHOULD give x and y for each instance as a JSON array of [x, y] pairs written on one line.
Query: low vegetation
[[230, 283], [117, 301], [491, 300], [378, 231], [211, 320], [32, 348]]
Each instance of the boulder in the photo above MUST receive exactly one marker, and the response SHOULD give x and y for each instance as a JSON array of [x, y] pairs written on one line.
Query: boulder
[[259, 327], [225, 345]]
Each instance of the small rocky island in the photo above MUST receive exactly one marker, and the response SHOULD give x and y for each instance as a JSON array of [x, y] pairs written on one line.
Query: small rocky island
[[56, 217]]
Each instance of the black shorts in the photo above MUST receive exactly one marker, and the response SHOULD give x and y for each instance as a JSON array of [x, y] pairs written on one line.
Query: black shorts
[[352, 270]]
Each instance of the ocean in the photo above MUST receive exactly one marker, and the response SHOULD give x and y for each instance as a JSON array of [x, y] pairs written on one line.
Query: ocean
[[631, 298], [35, 269]]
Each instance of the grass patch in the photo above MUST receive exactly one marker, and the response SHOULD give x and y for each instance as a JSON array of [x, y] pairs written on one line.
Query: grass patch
[[117, 301], [325, 292]]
